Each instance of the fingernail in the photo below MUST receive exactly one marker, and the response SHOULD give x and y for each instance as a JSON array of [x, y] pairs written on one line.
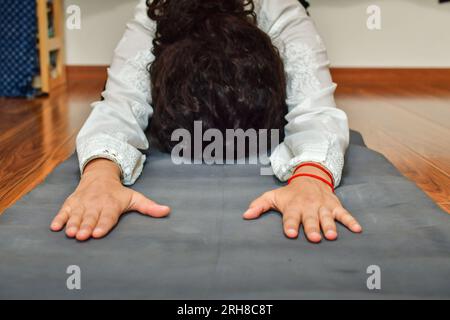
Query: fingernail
[[291, 232], [314, 236], [71, 232], [331, 234], [97, 230]]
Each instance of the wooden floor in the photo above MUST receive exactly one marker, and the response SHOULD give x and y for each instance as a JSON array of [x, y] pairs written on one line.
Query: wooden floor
[[408, 123]]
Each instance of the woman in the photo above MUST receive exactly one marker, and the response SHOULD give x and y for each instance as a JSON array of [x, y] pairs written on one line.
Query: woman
[[207, 60]]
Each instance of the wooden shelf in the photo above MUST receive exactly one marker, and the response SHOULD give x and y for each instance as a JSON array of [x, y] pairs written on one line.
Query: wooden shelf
[[52, 69]]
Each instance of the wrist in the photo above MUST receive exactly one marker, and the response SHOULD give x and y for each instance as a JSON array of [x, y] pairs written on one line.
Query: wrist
[[103, 169], [312, 171], [299, 181], [316, 171]]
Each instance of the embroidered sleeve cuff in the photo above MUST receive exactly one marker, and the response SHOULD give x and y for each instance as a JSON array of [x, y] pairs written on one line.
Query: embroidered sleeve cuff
[[329, 156], [129, 159]]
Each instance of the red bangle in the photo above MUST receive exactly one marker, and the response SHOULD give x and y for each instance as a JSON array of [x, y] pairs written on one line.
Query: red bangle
[[315, 165], [312, 176]]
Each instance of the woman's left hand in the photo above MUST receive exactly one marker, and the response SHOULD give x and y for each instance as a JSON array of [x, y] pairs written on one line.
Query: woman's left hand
[[308, 202]]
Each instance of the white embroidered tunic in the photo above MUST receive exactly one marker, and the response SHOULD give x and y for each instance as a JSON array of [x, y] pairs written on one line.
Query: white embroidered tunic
[[316, 131]]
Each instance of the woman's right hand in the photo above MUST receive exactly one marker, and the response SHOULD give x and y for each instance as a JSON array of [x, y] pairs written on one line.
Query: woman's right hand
[[98, 202]]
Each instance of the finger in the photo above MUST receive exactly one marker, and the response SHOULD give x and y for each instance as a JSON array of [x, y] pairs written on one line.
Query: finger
[[144, 205], [73, 225], [87, 225], [60, 219], [291, 224], [327, 223], [259, 206], [344, 217], [108, 219], [310, 220]]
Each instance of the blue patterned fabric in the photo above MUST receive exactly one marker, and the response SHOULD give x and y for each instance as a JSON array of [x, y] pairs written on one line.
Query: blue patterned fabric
[[18, 51]]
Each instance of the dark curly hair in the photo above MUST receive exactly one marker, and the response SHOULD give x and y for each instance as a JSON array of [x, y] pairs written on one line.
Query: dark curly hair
[[213, 64]]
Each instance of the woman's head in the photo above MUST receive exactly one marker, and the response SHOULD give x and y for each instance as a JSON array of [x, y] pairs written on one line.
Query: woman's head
[[212, 64]]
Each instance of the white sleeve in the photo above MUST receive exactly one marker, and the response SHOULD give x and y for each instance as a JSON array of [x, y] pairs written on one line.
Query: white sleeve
[[316, 131], [115, 128]]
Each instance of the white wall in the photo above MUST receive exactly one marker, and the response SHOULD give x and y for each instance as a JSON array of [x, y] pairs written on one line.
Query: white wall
[[102, 25], [415, 33]]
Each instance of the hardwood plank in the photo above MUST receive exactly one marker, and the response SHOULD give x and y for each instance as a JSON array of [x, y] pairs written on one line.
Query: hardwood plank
[[422, 135], [424, 101], [41, 138], [426, 176], [385, 130], [445, 206]]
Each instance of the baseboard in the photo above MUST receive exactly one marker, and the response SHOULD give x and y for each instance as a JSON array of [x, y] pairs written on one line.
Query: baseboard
[[391, 76], [342, 76], [86, 72]]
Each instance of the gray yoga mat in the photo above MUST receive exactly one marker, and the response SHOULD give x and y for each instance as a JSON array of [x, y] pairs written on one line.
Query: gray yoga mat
[[205, 250]]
